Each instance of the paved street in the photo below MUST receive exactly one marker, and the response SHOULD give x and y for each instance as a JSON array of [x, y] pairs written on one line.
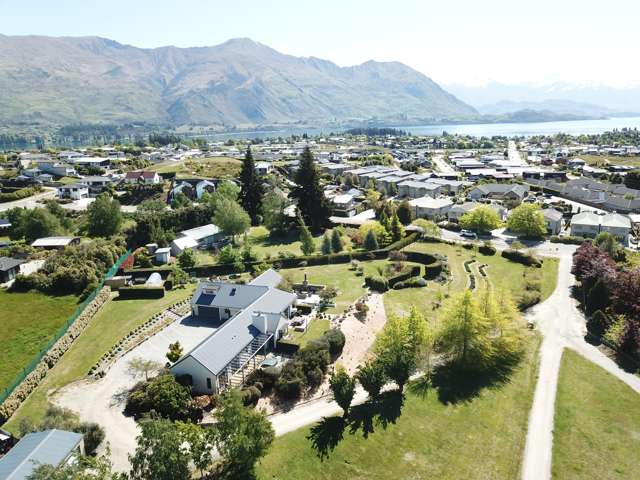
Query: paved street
[[442, 165]]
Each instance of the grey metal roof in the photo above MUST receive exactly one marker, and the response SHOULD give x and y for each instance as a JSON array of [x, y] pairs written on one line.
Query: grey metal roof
[[268, 278], [218, 349], [229, 295], [50, 447], [7, 263]]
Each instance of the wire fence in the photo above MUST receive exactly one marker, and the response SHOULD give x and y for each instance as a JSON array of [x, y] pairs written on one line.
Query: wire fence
[[62, 330]]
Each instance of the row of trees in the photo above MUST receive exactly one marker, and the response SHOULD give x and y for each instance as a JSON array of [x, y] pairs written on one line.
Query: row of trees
[[476, 334], [526, 219]]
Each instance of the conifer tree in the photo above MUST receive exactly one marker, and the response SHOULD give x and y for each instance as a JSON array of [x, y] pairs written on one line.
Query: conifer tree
[[252, 190], [397, 230], [313, 206], [326, 244], [308, 246], [370, 241], [336, 241]]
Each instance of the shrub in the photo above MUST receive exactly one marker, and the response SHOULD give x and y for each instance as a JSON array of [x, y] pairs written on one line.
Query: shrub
[[522, 257], [140, 291], [571, 240], [250, 395], [377, 283], [336, 340], [529, 298], [164, 395], [598, 323], [414, 282], [487, 249]]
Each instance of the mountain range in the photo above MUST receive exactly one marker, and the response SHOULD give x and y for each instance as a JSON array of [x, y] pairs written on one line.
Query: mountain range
[[557, 97], [240, 83]]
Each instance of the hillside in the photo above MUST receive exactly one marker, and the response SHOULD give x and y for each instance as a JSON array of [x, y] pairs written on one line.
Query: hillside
[[63, 80]]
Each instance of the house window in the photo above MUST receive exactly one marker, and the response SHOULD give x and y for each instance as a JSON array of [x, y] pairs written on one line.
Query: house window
[[208, 383]]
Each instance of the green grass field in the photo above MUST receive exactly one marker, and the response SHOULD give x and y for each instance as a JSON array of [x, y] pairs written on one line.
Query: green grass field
[[113, 321], [480, 438], [597, 424], [29, 321], [314, 331], [502, 274], [261, 244], [603, 160], [209, 167]]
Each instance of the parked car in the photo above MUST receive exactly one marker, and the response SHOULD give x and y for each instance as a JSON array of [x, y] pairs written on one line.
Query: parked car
[[468, 234]]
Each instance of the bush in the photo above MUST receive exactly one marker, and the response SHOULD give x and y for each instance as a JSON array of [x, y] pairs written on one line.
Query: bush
[[487, 249], [250, 395], [164, 395], [528, 299], [598, 323], [336, 340], [377, 283], [522, 257], [451, 226], [414, 282], [568, 240], [93, 435]]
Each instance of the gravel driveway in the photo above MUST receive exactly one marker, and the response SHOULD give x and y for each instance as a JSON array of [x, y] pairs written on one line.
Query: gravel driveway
[[102, 401]]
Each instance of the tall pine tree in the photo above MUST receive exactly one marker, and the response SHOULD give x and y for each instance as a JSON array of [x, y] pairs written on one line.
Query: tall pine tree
[[312, 204], [252, 190]]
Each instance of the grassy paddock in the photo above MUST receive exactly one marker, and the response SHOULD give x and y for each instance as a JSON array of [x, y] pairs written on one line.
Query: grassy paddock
[[209, 167], [597, 424], [482, 437], [29, 321], [113, 321], [602, 160]]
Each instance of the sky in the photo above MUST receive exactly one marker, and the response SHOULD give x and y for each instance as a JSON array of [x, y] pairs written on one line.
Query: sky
[[467, 42]]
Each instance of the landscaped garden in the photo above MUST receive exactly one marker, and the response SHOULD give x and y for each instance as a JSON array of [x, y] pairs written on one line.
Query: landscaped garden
[[480, 437], [29, 321], [597, 423], [113, 321]]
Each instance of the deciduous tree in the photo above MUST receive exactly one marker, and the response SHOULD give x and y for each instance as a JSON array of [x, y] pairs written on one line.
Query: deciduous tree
[[104, 216], [481, 219], [527, 219], [343, 388]]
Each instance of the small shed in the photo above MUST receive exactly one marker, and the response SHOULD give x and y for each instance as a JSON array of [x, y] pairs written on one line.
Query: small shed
[[163, 255]]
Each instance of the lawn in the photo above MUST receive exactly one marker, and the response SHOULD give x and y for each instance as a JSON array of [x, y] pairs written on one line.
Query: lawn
[[263, 245], [597, 424], [502, 273], [482, 438], [29, 321], [112, 322], [209, 167], [314, 331], [601, 160]]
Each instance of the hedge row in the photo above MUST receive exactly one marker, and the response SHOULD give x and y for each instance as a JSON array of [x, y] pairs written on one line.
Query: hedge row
[[293, 262], [17, 194], [29, 384], [377, 283], [413, 272], [522, 257], [432, 265], [570, 240], [140, 292], [488, 250]]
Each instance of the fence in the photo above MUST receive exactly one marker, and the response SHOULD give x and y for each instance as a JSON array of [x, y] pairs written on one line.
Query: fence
[[63, 329]]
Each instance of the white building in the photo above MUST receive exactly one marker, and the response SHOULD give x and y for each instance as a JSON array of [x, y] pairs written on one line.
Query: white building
[[431, 208]]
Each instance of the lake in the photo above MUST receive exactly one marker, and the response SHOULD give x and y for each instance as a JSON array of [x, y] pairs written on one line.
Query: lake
[[574, 127]]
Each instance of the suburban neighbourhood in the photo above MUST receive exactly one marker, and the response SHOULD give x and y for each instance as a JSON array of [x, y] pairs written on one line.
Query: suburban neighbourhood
[[275, 285], [259, 241]]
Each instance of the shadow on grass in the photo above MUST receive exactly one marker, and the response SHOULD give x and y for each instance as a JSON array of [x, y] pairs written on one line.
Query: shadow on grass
[[382, 412], [455, 384]]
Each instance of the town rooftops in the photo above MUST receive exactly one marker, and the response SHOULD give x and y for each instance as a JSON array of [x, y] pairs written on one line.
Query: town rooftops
[[428, 202], [50, 447], [145, 174], [54, 241], [7, 263], [552, 214], [199, 233], [415, 184]]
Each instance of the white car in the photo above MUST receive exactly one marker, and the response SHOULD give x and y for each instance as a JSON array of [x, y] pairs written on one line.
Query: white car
[[468, 234]]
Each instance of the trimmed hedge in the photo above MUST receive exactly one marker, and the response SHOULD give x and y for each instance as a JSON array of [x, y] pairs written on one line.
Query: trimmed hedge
[[413, 272], [139, 292], [570, 240], [521, 257], [377, 283], [18, 194], [488, 250], [414, 282]]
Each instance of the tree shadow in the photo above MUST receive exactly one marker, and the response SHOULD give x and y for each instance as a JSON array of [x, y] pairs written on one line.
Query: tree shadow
[[326, 434], [456, 384], [383, 411]]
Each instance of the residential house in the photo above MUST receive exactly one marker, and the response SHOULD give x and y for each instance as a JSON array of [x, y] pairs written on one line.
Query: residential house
[[97, 184], [205, 237], [142, 177], [263, 168], [9, 268], [458, 210], [415, 189], [343, 205], [589, 224], [55, 243], [500, 191], [250, 318], [74, 191], [58, 169], [431, 208], [553, 220], [50, 447]]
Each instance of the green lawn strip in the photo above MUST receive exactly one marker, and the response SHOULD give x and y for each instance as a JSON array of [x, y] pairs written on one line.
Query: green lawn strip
[[29, 321], [600, 160], [597, 423], [113, 321], [479, 438], [263, 245], [314, 331]]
